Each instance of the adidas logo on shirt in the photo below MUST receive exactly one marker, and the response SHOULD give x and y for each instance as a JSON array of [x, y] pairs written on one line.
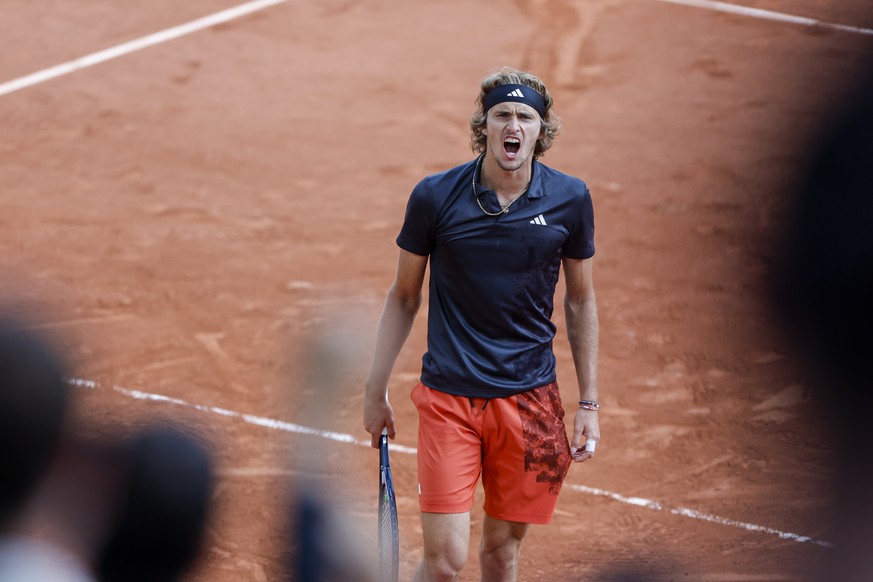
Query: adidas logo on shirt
[[516, 93], [541, 220]]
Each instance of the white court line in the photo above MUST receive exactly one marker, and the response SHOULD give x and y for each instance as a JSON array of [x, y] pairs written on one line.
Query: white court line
[[768, 15], [249, 7], [138, 44], [685, 512], [347, 438]]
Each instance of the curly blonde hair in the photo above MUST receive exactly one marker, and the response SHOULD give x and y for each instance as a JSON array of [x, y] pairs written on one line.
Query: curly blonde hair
[[550, 123]]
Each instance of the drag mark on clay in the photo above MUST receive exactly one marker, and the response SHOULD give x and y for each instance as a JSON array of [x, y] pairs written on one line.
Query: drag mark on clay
[[349, 439]]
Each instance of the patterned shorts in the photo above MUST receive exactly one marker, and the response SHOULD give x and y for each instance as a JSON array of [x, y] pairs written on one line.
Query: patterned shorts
[[517, 444]]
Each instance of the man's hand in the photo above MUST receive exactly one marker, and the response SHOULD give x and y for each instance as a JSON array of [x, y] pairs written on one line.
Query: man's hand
[[586, 430], [378, 414]]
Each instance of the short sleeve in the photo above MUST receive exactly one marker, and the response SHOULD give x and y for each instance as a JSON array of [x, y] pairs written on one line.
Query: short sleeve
[[417, 233], [580, 242]]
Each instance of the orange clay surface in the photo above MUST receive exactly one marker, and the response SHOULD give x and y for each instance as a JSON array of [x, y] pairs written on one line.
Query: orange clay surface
[[185, 216]]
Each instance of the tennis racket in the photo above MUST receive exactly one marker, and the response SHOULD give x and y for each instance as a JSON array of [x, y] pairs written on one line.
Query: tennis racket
[[389, 535]]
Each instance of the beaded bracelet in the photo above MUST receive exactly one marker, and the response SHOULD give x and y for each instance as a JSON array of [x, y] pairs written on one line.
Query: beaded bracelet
[[589, 405]]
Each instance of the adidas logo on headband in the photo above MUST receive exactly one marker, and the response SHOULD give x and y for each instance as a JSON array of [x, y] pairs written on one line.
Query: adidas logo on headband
[[516, 94]]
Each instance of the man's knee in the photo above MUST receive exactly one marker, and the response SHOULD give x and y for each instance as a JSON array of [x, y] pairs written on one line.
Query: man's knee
[[443, 566], [446, 545], [502, 557], [500, 547]]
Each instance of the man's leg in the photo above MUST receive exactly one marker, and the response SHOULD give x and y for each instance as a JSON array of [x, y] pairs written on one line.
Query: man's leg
[[499, 550], [446, 544]]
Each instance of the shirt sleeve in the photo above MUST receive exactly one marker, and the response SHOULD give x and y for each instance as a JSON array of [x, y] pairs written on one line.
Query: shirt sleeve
[[580, 242], [417, 233]]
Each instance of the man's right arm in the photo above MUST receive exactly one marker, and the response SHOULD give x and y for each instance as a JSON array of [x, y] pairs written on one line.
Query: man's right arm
[[401, 307]]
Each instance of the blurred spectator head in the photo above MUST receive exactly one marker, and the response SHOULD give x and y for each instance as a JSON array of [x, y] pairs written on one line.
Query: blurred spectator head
[[166, 491], [34, 399]]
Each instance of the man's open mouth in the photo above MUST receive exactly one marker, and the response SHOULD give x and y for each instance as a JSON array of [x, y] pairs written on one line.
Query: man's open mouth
[[511, 145]]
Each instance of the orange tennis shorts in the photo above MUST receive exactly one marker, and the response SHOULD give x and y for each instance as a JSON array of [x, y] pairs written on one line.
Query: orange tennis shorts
[[517, 444]]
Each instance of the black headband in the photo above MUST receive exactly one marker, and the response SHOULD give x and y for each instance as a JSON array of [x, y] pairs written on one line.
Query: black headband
[[516, 94]]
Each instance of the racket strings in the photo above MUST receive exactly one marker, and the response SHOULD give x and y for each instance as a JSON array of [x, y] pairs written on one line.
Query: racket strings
[[389, 535]]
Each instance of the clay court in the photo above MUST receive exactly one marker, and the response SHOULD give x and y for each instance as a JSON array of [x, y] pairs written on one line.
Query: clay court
[[186, 215]]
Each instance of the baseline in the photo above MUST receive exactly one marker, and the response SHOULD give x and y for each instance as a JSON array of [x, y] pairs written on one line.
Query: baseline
[[137, 44], [256, 5], [768, 15], [349, 439]]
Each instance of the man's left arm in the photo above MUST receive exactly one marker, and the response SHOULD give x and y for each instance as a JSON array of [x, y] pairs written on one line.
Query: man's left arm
[[583, 332]]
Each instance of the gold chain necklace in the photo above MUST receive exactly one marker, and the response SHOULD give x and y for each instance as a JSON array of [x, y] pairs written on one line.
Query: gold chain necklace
[[503, 209]]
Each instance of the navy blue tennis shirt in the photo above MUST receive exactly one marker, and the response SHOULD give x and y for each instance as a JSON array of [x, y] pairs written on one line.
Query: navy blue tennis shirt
[[493, 278]]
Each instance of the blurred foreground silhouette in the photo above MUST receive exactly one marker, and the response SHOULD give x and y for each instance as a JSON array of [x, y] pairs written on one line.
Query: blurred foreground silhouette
[[126, 506], [824, 293]]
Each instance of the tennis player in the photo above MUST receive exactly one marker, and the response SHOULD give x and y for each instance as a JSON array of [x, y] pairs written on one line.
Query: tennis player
[[496, 231]]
